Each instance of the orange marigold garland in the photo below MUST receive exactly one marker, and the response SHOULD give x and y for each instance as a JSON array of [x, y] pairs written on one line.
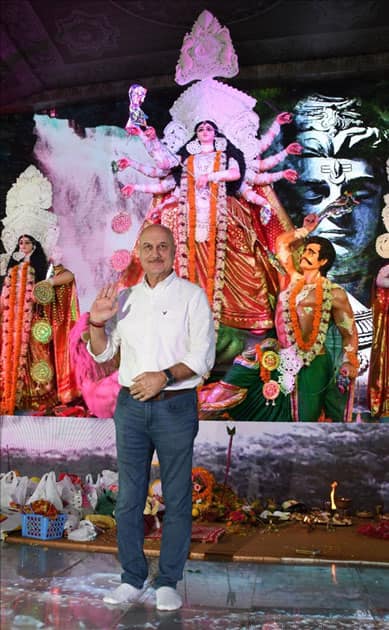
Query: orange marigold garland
[[212, 226], [308, 349], [17, 325], [9, 296], [298, 351], [191, 221], [217, 236], [302, 344], [264, 373], [352, 358], [18, 333], [212, 232]]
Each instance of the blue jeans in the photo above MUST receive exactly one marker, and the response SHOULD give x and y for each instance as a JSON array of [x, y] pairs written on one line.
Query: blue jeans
[[169, 427]]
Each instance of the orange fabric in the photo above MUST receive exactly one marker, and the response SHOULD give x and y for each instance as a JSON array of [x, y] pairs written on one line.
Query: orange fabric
[[61, 314], [379, 367], [63, 318], [249, 278], [17, 310]]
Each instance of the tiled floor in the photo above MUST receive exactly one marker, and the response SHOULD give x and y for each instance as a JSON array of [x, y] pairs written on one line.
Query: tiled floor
[[54, 589]]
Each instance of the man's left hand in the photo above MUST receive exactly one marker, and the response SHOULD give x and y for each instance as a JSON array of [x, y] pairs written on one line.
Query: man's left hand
[[147, 385]]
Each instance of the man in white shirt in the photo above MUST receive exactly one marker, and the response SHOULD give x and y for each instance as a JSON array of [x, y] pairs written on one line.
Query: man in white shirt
[[166, 335]]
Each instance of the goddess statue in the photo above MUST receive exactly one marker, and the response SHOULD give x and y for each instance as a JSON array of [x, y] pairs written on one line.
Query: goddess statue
[[38, 303], [225, 217]]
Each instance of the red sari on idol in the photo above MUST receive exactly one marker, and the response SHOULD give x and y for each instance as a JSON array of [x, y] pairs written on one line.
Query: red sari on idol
[[35, 370], [379, 362], [222, 246]]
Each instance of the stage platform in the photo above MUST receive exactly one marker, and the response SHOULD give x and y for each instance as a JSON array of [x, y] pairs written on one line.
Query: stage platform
[[47, 587], [288, 542], [278, 577]]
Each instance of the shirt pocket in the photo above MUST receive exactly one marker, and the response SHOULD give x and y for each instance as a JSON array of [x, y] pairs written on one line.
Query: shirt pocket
[[172, 320]]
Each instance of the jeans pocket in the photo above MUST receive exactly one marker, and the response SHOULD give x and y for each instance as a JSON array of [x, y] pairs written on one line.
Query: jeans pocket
[[183, 404]]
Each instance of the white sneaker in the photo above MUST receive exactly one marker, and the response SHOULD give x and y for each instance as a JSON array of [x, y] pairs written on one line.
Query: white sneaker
[[168, 598], [124, 594]]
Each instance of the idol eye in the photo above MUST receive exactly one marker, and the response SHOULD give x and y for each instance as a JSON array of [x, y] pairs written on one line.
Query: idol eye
[[366, 191], [313, 192]]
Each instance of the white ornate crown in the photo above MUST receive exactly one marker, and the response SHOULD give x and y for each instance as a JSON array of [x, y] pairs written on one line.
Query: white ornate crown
[[208, 52], [230, 109], [27, 212]]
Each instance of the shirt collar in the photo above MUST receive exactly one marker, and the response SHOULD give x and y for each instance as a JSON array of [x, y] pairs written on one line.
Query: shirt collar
[[163, 284], [160, 286]]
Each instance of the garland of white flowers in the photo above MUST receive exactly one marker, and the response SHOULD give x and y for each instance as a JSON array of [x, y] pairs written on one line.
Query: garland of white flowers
[[183, 254], [289, 361], [323, 308]]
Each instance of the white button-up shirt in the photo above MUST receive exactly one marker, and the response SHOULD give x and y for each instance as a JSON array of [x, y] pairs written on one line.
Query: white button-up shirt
[[159, 327]]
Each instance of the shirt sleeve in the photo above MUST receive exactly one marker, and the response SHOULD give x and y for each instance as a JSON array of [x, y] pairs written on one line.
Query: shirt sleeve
[[200, 356], [113, 342]]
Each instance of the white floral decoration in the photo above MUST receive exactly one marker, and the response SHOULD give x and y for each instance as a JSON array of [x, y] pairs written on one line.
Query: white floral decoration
[[230, 109], [27, 212], [206, 52], [31, 191]]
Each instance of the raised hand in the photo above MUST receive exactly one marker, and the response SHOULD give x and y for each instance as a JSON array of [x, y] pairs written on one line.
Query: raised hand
[[294, 148], [123, 163], [127, 190], [105, 305], [310, 221], [284, 118], [133, 130], [150, 133], [291, 175]]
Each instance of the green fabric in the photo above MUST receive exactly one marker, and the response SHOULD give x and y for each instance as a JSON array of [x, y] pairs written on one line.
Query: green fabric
[[254, 406], [106, 503], [317, 391], [230, 342], [334, 345]]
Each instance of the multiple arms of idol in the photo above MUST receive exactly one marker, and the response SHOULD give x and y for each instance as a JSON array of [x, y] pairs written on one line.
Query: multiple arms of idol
[[256, 174], [257, 170]]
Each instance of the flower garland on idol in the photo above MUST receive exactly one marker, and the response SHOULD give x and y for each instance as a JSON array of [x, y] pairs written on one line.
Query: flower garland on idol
[[298, 352], [18, 298], [217, 234]]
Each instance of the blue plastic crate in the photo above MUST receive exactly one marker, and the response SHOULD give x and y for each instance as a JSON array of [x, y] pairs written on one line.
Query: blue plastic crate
[[37, 526]]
